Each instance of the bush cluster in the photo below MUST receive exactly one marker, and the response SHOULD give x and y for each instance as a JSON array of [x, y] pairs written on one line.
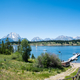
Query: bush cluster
[[47, 60], [7, 52], [17, 56], [31, 68]]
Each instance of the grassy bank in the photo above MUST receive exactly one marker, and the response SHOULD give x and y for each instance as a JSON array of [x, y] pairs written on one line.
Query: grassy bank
[[72, 75], [53, 43], [18, 70]]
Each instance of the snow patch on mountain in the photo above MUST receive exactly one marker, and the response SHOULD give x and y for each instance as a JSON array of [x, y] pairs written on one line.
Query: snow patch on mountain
[[12, 37], [47, 39], [77, 37], [36, 39], [64, 38]]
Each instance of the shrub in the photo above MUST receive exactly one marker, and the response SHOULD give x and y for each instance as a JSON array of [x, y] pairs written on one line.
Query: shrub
[[14, 56], [7, 52], [34, 69], [47, 60], [31, 60], [31, 68], [22, 71], [17, 56], [23, 67]]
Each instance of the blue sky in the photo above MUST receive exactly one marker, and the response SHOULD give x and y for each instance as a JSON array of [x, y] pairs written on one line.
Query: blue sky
[[42, 18]]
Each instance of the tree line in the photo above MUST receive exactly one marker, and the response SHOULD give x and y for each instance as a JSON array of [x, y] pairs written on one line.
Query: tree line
[[62, 42], [6, 47], [56, 42]]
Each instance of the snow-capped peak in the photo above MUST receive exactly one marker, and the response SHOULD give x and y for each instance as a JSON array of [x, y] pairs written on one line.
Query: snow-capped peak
[[64, 38], [77, 37], [36, 39], [13, 36]]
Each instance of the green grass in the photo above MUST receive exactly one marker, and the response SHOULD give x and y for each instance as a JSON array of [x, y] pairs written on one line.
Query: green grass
[[72, 75], [11, 69]]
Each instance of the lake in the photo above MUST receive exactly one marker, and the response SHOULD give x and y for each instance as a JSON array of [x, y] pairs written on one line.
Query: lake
[[66, 51]]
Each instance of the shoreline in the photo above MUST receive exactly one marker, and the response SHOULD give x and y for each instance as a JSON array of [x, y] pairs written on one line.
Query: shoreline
[[54, 45], [75, 64]]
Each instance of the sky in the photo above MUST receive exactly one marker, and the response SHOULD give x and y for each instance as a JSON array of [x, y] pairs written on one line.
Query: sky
[[40, 18]]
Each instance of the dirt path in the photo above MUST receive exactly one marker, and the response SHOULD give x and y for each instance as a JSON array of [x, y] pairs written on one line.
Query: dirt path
[[63, 74]]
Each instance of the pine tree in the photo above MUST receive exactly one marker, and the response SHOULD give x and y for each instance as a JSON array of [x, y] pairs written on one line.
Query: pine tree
[[19, 45], [19, 42], [2, 48], [7, 43], [32, 56], [26, 50], [11, 48]]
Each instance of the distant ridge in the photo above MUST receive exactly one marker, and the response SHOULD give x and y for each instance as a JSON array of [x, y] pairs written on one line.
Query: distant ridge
[[37, 39], [47, 39], [12, 37], [15, 37], [62, 37]]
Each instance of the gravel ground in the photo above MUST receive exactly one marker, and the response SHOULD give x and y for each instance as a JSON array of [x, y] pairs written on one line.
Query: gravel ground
[[63, 74]]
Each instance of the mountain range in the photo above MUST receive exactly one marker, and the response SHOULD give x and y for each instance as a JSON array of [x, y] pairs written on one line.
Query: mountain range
[[64, 38], [58, 38], [15, 37], [37, 39], [12, 37]]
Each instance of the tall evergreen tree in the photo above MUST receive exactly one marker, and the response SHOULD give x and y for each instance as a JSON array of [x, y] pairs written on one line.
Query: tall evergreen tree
[[19, 44], [26, 50], [11, 48], [2, 48], [7, 43], [32, 56]]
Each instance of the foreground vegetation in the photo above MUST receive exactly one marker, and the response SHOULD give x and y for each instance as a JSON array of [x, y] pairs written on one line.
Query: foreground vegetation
[[12, 69]]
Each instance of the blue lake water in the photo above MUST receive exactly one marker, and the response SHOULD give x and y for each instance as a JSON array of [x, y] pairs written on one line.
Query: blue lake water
[[66, 51]]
